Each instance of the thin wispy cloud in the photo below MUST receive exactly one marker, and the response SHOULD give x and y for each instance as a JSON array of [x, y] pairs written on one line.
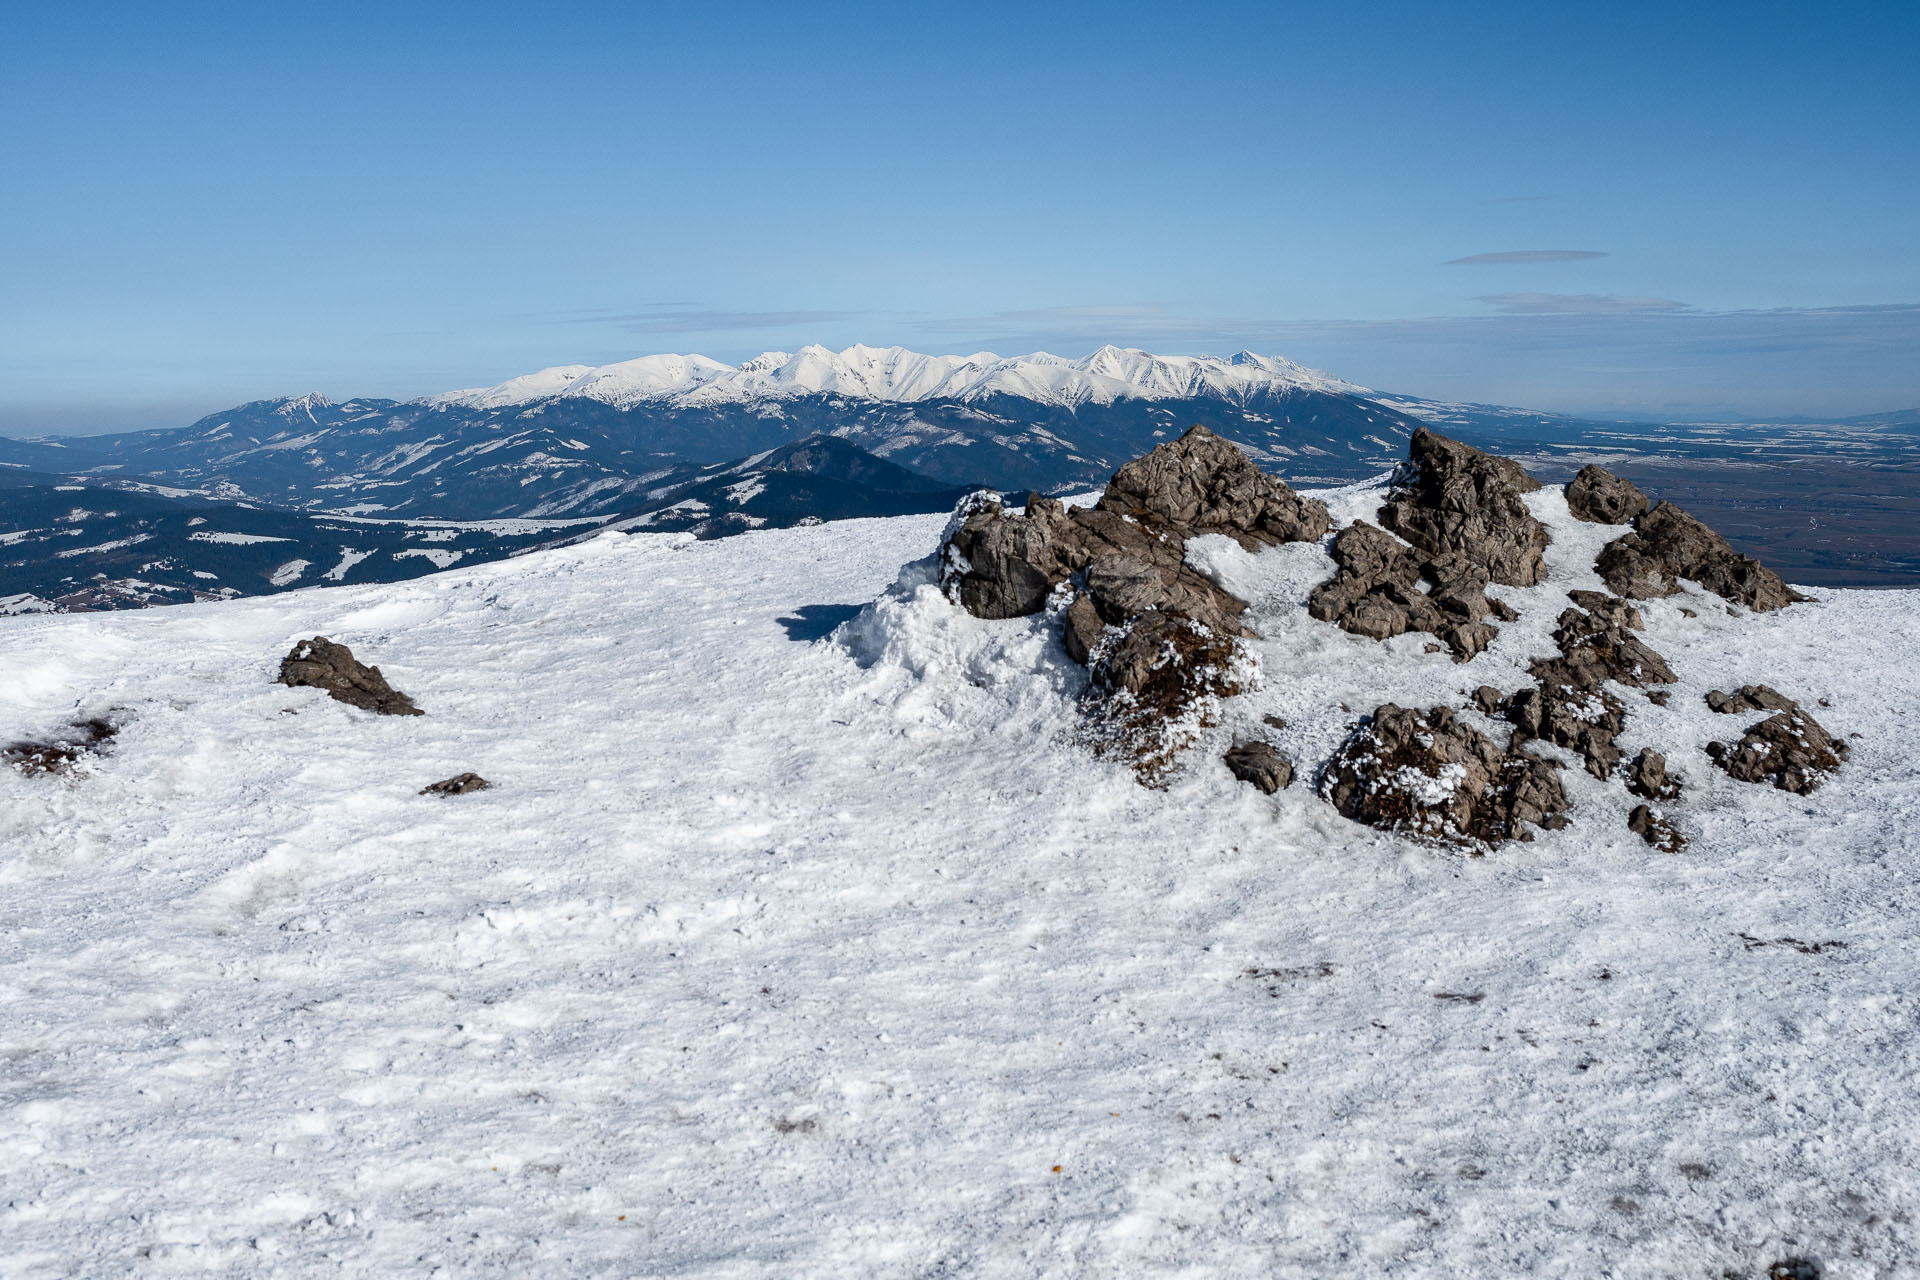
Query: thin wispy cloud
[[1583, 304], [1521, 257]]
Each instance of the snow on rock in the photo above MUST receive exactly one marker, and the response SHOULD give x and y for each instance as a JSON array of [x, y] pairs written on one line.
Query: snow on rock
[[768, 954]]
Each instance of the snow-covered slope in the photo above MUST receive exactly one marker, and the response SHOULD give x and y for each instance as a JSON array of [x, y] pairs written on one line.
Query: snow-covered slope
[[776, 953], [899, 375]]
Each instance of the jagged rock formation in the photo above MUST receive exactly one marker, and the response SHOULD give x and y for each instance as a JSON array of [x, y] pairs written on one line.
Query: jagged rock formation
[[321, 664], [1464, 526], [1598, 496], [1789, 749], [1463, 511], [1377, 594], [1163, 642], [1596, 646], [1570, 705], [1431, 775], [1667, 544], [1131, 547], [1161, 639], [1201, 483], [1261, 764]]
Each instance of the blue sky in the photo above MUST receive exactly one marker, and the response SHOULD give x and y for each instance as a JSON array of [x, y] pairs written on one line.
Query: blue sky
[[1699, 209]]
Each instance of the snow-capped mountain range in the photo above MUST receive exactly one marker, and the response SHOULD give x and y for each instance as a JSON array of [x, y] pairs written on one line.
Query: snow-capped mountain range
[[577, 440], [897, 375]]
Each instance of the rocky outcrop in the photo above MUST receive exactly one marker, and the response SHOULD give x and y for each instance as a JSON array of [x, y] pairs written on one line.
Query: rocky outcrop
[[319, 663], [1597, 646], [1163, 643], [1580, 718], [1463, 525], [1789, 749], [1202, 483], [1377, 594], [1431, 775], [1462, 511], [1668, 544], [1161, 640], [1598, 496], [1261, 764], [1156, 684], [1570, 705], [1129, 551]]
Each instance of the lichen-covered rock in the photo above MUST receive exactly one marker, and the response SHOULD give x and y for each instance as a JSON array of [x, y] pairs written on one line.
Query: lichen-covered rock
[[1261, 764], [1156, 683], [321, 664], [1598, 496], [1464, 505], [1202, 483], [1789, 749], [1667, 544], [1429, 774]]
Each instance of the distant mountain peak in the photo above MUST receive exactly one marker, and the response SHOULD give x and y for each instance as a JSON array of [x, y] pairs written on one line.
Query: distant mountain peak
[[900, 375]]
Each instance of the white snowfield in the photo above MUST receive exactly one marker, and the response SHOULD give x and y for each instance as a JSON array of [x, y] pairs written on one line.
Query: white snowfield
[[897, 374], [770, 954]]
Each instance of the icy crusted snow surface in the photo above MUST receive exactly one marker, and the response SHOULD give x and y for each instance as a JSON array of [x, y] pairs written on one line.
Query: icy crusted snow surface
[[897, 374], [768, 955]]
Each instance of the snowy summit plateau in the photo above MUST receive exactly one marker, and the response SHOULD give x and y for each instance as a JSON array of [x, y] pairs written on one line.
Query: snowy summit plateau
[[1449, 873]]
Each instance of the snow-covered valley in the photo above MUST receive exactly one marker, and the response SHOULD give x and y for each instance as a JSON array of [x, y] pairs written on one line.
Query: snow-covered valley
[[795, 941]]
